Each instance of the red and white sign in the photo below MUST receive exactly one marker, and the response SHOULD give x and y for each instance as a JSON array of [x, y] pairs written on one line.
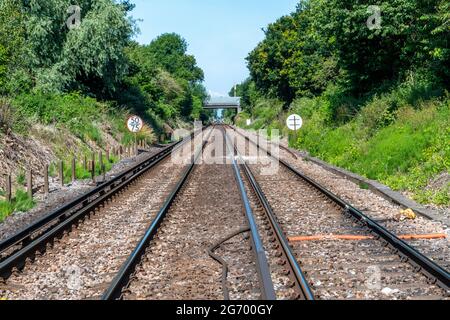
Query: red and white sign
[[135, 124]]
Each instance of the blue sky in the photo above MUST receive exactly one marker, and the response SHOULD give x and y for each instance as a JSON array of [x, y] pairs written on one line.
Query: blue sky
[[220, 33]]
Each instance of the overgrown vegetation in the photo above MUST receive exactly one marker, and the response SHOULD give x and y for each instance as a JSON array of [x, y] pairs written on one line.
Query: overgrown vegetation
[[42, 57], [81, 173], [86, 77], [374, 101]]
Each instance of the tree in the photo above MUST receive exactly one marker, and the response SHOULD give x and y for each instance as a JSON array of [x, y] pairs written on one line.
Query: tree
[[404, 41], [93, 55], [11, 41], [267, 61], [56, 58], [169, 51], [292, 60], [168, 78], [247, 92], [330, 42]]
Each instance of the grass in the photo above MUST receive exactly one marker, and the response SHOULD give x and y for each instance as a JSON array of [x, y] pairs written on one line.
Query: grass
[[400, 138], [20, 203], [80, 172], [364, 186], [82, 116], [406, 154], [21, 177]]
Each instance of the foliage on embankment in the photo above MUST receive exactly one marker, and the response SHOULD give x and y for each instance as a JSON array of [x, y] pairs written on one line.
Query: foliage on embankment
[[374, 99]]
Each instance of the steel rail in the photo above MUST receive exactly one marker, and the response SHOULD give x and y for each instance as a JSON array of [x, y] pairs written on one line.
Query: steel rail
[[428, 267], [122, 279], [262, 265], [301, 284], [67, 215], [81, 200]]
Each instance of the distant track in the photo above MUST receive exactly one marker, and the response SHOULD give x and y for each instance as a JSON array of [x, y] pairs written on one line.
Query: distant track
[[185, 213]]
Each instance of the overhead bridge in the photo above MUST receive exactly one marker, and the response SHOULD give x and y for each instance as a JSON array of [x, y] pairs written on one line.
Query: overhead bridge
[[217, 103]]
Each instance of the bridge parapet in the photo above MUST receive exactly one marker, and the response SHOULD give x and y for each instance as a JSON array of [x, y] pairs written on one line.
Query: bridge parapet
[[216, 103]]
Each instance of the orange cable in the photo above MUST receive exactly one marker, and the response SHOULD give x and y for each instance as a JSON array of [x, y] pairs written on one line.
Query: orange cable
[[359, 238]]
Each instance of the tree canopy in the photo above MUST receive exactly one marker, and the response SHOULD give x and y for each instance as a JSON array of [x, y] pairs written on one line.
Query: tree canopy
[[329, 42], [44, 48], [167, 77]]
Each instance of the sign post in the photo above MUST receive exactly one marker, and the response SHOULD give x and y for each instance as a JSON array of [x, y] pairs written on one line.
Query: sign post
[[135, 125], [294, 122]]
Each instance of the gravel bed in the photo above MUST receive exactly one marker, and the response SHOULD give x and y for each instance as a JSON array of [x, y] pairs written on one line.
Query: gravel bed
[[60, 195], [177, 265], [346, 267], [83, 263], [281, 281], [376, 207]]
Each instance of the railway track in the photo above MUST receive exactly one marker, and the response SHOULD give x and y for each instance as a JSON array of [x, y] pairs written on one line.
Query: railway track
[[286, 273], [380, 266], [74, 252], [202, 245], [215, 226], [377, 208]]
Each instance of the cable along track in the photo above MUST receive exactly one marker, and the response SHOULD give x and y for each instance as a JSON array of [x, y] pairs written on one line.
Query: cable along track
[[198, 246], [277, 246]]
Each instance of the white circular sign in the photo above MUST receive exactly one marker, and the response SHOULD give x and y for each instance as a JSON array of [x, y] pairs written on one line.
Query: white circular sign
[[294, 122], [135, 124]]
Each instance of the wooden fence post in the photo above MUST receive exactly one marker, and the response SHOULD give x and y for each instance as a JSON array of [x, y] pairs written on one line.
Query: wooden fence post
[[46, 186], [92, 170], [61, 172], [104, 172], [74, 169], [100, 159], [8, 188], [85, 162], [30, 183], [108, 158], [93, 167]]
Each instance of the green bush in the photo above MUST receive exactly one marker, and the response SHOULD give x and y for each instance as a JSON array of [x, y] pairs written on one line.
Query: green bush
[[405, 152], [73, 111], [399, 137]]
